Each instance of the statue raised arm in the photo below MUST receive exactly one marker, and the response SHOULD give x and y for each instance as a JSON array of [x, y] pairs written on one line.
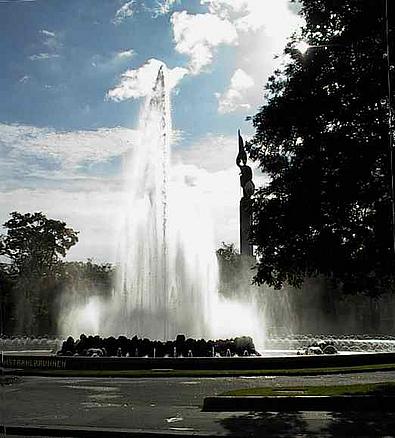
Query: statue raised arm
[[245, 171]]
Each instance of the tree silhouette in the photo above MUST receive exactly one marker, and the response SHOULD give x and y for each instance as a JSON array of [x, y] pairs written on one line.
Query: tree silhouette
[[322, 136], [34, 245]]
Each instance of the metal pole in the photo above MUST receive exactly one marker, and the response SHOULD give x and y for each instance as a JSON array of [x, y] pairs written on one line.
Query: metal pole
[[390, 118]]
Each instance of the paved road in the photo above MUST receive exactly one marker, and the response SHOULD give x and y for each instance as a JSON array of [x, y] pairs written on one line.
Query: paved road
[[174, 404]]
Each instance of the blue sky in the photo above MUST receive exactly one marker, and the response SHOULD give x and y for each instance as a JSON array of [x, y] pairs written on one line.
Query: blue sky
[[61, 58], [72, 79]]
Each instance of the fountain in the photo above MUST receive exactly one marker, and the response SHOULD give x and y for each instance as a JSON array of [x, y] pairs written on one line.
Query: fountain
[[167, 273], [167, 280]]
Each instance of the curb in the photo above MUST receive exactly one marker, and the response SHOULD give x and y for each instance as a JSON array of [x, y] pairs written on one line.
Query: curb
[[343, 403], [70, 431], [83, 363]]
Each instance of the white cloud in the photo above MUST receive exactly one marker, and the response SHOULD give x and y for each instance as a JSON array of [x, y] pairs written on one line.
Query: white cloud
[[48, 33], [127, 10], [50, 171], [209, 165], [66, 149], [175, 75], [251, 15], [163, 7], [211, 152], [197, 35], [126, 54], [263, 27], [235, 97], [258, 28], [139, 82], [91, 209], [50, 39], [24, 79], [42, 56], [91, 204], [112, 61], [275, 18], [226, 8]]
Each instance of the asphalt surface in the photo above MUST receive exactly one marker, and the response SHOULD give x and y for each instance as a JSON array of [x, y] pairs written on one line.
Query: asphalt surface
[[174, 405]]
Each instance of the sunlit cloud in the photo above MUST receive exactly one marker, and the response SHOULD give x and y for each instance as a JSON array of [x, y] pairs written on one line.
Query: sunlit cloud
[[51, 40], [43, 56], [136, 83], [252, 15], [24, 79], [76, 175], [163, 7], [124, 12], [68, 149], [262, 27], [235, 97], [257, 28], [48, 33], [126, 54], [209, 165], [91, 202], [112, 61], [90, 208], [197, 35]]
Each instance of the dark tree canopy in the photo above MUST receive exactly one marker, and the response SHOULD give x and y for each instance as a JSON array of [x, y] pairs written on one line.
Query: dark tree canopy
[[322, 137], [34, 247], [34, 243], [230, 269]]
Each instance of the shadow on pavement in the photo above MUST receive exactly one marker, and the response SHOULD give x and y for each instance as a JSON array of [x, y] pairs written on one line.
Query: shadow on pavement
[[361, 424], [265, 424], [349, 424]]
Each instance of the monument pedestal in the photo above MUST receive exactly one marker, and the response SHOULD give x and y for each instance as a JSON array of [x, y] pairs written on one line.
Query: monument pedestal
[[245, 225]]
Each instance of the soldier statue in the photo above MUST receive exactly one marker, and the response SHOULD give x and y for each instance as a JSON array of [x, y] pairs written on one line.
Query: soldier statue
[[245, 202]]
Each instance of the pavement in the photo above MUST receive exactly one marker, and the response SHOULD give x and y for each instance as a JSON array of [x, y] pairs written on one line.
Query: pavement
[[166, 406]]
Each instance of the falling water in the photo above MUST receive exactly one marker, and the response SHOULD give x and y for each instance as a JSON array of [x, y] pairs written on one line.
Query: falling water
[[161, 290], [167, 280]]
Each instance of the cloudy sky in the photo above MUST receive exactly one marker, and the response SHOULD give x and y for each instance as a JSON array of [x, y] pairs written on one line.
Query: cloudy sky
[[74, 74]]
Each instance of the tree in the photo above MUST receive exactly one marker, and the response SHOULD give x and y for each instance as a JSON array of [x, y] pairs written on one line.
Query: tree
[[322, 136], [230, 269], [88, 278], [7, 282], [235, 271], [34, 246]]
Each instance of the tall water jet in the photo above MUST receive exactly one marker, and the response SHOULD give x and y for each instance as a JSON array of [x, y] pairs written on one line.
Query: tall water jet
[[141, 291], [165, 282], [167, 271]]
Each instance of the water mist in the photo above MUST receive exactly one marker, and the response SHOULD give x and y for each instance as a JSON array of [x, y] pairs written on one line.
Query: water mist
[[167, 272]]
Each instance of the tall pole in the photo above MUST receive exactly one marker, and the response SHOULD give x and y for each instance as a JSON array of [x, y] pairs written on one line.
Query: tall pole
[[390, 118]]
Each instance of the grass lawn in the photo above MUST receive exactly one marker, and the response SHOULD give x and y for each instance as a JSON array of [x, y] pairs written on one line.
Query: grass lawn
[[387, 388]]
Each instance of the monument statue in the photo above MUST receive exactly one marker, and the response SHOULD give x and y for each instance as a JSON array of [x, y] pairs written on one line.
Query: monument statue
[[245, 203]]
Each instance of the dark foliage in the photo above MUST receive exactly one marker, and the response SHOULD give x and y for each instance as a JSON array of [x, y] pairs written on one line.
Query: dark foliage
[[88, 278], [35, 244], [231, 270], [36, 276], [322, 137]]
